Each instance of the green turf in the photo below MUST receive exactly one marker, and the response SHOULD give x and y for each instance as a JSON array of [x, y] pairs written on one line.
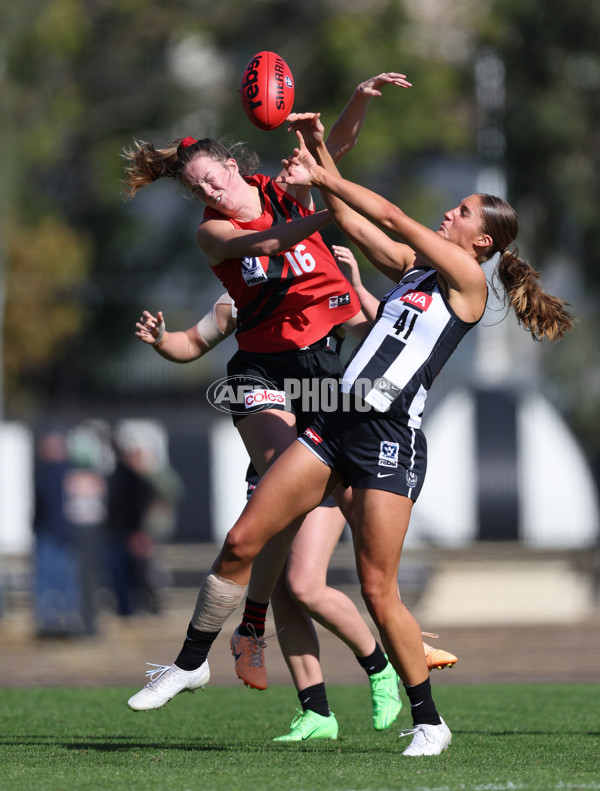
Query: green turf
[[504, 737]]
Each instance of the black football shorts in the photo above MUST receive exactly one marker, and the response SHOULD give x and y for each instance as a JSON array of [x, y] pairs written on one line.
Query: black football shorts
[[370, 450], [291, 381]]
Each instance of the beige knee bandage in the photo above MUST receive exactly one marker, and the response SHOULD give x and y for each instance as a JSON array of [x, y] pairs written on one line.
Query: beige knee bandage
[[217, 599]]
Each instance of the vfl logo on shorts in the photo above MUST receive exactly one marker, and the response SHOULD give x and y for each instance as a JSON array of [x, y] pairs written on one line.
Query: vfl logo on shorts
[[388, 454], [338, 302], [311, 434], [263, 398], [253, 271]]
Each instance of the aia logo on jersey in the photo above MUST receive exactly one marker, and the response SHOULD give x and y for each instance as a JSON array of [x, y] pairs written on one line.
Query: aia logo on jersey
[[417, 299], [313, 435], [253, 271]]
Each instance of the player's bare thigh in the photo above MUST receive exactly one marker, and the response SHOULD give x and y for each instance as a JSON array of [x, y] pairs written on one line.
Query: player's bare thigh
[[266, 435], [313, 547], [295, 483]]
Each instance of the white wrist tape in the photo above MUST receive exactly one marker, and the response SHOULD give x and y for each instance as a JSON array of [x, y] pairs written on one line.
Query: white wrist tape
[[160, 338], [217, 599]]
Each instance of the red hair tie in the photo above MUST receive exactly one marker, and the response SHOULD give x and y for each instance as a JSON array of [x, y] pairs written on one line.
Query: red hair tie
[[187, 142]]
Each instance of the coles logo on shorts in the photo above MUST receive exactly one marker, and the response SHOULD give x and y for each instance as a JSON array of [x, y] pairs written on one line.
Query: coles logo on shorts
[[312, 434], [236, 394], [418, 299], [388, 454], [264, 397]]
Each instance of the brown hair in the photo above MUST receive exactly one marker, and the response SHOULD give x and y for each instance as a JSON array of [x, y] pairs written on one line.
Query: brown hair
[[543, 315], [146, 164]]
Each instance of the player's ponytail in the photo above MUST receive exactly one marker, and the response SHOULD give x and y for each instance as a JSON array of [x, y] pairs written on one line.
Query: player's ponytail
[[146, 164], [541, 314]]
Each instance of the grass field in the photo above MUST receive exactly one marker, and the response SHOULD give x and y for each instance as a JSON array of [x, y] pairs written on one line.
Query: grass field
[[504, 737]]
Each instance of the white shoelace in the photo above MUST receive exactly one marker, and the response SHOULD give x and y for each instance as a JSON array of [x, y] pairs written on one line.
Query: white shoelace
[[419, 729], [407, 732], [258, 646], [157, 673]]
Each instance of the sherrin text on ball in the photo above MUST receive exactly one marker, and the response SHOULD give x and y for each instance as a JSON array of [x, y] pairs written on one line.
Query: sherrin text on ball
[[267, 90]]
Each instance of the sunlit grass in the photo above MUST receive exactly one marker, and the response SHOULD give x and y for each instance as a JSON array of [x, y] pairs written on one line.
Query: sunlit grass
[[504, 737]]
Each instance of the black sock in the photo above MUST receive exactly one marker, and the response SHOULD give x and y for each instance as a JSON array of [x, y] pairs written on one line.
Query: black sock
[[422, 706], [195, 648], [375, 662], [255, 615], [315, 699]]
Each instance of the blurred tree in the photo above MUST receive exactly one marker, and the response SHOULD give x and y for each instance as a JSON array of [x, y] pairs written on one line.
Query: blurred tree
[[89, 75], [552, 159], [79, 74], [82, 78], [552, 116], [48, 265]]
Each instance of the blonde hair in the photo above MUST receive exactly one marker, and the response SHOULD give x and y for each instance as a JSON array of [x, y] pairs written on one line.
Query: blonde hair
[[541, 314]]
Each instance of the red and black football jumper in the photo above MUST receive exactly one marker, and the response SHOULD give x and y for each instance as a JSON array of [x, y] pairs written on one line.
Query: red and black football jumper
[[289, 300]]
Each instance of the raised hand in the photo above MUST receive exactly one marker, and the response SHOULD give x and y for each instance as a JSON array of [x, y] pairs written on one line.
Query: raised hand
[[372, 86], [309, 125], [299, 166], [348, 264], [149, 328]]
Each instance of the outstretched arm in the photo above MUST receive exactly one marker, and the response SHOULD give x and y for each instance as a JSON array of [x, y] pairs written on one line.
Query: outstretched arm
[[345, 131], [179, 347], [188, 345], [220, 240], [389, 256], [459, 269]]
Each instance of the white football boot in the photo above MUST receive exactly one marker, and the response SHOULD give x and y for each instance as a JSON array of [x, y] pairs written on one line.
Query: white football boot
[[428, 739], [166, 682]]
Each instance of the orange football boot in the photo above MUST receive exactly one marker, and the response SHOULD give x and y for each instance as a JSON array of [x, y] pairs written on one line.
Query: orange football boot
[[437, 658], [249, 654]]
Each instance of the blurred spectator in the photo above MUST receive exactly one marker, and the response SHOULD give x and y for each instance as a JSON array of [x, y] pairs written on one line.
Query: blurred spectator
[[143, 491], [86, 507], [57, 590]]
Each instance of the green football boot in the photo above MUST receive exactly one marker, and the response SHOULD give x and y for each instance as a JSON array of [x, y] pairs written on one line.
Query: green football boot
[[310, 725], [385, 697]]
